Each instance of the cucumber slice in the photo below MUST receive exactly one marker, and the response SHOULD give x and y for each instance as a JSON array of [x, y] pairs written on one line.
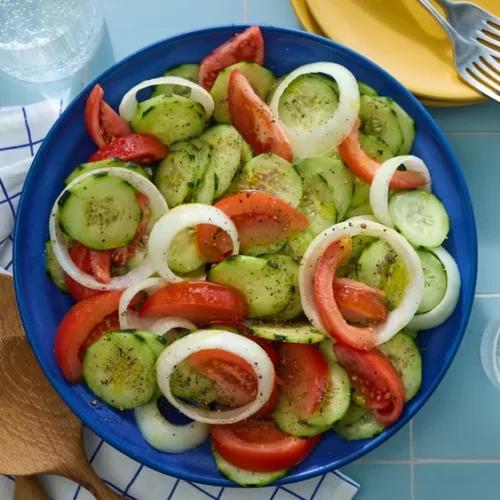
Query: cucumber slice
[[326, 348], [308, 102], [360, 243], [102, 212], [298, 243], [288, 422], [225, 145], [188, 71], [361, 193], [375, 148], [336, 400], [183, 254], [365, 89], [205, 192], [338, 177], [420, 217], [246, 152], [187, 384], [407, 126], [296, 332], [53, 268], [260, 78], [88, 167], [358, 423], [274, 86], [267, 286], [294, 307], [245, 477], [272, 174], [171, 118], [405, 356], [364, 209], [120, 369], [380, 120], [435, 281]]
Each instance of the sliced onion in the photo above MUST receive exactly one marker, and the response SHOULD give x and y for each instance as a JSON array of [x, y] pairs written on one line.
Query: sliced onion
[[398, 318], [227, 341], [371, 218], [163, 326], [445, 308], [179, 218], [158, 208], [321, 140], [165, 436], [130, 319], [379, 189], [198, 94]]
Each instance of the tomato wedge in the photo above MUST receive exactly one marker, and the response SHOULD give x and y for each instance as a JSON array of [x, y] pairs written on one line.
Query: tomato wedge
[[260, 218], [139, 148], [197, 301], [260, 446], [109, 324], [331, 317], [80, 256], [358, 302], [100, 262], [102, 122], [246, 46], [304, 372], [76, 326], [254, 120], [376, 379], [364, 167]]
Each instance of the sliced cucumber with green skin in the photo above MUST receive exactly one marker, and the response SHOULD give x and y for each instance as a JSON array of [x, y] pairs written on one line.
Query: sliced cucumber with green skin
[[294, 307], [53, 268], [360, 243], [88, 167], [300, 332], [338, 177], [171, 118], [272, 174], [205, 191], [183, 254], [189, 385], [435, 281], [420, 217], [298, 244], [361, 193], [102, 212], [120, 369], [267, 286], [375, 148], [156, 343], [407, 126], [245, 477], [274, 86], [286, 420], [260, 78], [246, 152], [358, 423], [225, 145], [405, 356], [326, 348], [187, 71], [380, 120], [365, 89], [308, 102], [413, 334], [364, 209]]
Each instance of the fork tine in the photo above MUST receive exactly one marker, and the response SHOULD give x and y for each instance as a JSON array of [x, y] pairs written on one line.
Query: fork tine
[[488, 41], [490, 28], [477, 84], [491, 77]]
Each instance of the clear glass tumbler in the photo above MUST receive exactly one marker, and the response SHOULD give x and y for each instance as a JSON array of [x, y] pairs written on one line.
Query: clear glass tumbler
[[48, 40]]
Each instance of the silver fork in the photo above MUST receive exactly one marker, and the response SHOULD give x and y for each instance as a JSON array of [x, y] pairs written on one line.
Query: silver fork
[[473, 61], [474, 23]]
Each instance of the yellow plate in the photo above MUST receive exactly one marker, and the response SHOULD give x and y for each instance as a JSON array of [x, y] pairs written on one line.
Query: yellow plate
[[400, 36], [306, 19]]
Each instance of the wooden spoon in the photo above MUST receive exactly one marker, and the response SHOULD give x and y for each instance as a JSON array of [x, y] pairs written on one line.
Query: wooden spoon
[[38, 432]]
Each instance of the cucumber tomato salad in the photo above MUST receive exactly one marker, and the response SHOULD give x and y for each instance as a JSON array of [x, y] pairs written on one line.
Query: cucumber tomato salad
[[257, 252]]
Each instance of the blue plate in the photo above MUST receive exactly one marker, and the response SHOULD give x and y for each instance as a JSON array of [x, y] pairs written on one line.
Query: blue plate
[[42, 306]]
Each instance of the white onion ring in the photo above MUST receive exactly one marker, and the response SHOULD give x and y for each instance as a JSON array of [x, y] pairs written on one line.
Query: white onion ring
[[396, 319], [164, 325], [371, 218], [165, 436], [198, 94], [379, 189], [130, 319], [445, 308], [323, 139], [227, 341], [179, 218], [158, 208]]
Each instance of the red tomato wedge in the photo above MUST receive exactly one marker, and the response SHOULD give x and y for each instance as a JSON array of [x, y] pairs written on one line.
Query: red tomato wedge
[[102, 122], [109, 324], [358, 302], [260, 446], [76, 326], [328, 309], [260, 219], [304, 372], [139, 148], [364, 167], [198, 301], [254, 120], [80, 256], [246, 46], [267, 410], [100, 262], [376, 379]]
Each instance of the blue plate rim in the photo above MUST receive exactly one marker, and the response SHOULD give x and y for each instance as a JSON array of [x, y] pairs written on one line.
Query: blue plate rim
[[106, 434]]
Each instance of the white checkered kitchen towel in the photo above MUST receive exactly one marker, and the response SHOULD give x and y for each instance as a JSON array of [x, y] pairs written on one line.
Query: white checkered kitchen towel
[[22, 129]]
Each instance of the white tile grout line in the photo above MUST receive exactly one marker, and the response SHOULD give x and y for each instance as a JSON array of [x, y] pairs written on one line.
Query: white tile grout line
[[412, 462], [487, 295], [459, 132], [419, 461], [245, 10]]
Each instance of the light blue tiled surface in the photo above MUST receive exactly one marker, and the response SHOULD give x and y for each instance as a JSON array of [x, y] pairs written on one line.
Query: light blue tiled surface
[[455, 450]]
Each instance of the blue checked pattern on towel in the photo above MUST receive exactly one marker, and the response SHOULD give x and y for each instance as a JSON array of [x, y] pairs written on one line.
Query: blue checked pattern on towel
[[22, 130]]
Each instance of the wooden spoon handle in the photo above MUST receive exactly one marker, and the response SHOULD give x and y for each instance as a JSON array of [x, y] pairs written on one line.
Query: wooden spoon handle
[[28, 488]]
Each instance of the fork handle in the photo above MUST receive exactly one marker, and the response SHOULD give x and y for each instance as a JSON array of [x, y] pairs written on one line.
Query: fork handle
[[452, 33]]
